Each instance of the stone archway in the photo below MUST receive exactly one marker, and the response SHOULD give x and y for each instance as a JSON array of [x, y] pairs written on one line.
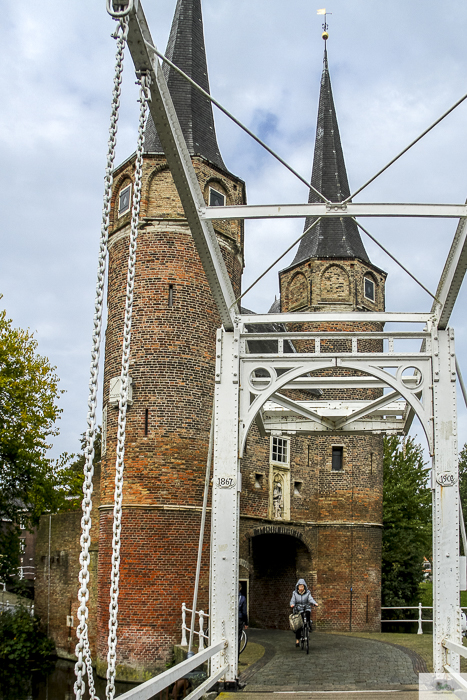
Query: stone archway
[[278, 560]]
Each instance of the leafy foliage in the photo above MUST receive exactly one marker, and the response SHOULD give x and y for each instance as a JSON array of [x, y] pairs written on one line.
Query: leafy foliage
[[21, 637], [30, 482], [406, 521], [73, 474]]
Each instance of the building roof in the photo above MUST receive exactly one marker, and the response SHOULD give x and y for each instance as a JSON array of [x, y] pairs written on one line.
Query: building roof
[[186, 50], [336, 237]]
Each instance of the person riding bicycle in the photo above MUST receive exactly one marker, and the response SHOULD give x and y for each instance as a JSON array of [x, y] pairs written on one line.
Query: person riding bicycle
[[302, 600]]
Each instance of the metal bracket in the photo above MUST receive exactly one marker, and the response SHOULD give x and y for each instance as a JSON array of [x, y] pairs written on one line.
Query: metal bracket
[[336, 207]]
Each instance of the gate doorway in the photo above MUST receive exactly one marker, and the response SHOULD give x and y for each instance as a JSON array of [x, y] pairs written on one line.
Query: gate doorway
[[278, 562]]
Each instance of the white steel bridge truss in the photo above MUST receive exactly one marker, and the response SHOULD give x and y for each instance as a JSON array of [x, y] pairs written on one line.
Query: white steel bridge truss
[[421, 383]]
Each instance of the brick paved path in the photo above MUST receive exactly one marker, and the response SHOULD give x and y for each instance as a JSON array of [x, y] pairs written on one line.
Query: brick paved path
[[334, 663]]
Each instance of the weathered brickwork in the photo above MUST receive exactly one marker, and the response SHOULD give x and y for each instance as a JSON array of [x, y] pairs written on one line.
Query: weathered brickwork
[[56, 585], [320, 285], [172, 366], [158, 563]]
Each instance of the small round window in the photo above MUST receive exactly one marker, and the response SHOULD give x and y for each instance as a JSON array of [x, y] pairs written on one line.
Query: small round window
[[369, 289]]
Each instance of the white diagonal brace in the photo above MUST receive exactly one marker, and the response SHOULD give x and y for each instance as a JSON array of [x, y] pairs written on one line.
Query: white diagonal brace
[[300, 410], [452, 276], [181, 167], [260, 424], [377, 403]]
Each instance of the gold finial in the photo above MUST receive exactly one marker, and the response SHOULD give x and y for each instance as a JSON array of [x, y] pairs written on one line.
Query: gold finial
[[325, 34]]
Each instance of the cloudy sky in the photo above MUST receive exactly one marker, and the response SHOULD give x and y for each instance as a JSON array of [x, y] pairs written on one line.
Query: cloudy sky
[[395, 67]]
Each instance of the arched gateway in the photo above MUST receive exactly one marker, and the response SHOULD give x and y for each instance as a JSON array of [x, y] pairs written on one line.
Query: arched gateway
[[278, 556]]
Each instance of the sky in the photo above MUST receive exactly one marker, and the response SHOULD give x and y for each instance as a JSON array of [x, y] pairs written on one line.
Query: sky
[[395, 67]]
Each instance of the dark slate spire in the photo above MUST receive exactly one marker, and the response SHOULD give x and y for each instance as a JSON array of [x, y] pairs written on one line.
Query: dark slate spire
[[186, 49], [339, 237]]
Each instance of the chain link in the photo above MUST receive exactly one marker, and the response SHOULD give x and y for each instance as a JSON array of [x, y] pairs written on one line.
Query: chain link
[[82, 647], [144, 81]]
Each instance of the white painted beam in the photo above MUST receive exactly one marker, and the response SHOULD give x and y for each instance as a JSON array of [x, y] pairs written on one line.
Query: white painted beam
[[301, 409], [287, 426], [179, 160], [380, 403], [344, 382], [452, 276], [291, 211], [337, 317]]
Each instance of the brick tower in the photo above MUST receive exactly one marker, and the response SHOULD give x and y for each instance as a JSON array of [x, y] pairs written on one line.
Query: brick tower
[[330, 486], [172, 369]]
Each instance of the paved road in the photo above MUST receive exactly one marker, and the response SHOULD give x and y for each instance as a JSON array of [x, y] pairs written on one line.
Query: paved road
[[334, 663]]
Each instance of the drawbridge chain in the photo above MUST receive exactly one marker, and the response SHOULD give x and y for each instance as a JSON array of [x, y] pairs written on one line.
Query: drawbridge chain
[[82, 647], [144, 81]]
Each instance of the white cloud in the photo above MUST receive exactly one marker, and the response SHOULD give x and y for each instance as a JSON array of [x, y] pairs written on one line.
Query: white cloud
[[393, 70]]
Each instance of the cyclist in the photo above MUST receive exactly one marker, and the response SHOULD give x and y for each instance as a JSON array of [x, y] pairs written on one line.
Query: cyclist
[[302, 600]]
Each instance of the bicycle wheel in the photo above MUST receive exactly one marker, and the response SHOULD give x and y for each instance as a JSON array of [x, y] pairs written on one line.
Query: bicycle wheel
[[243, 641]]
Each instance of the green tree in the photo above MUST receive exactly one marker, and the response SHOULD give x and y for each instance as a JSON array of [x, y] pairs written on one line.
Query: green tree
[[30, 481], [72, 476], [406, 520]]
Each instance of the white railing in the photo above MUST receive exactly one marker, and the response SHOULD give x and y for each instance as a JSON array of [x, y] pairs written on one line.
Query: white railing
[[26, 571], [8, 605], [420, 619], [457, 649], [200, 633], [156, 685]]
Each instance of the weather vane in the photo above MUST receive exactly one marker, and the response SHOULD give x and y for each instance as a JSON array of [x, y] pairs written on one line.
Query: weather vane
[[325, 34]]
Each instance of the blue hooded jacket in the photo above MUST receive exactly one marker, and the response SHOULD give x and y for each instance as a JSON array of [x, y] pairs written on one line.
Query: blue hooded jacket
[[302, 601]]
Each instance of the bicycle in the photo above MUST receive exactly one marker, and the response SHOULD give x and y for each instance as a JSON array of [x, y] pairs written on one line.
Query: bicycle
[[305, 632], [243, 642]]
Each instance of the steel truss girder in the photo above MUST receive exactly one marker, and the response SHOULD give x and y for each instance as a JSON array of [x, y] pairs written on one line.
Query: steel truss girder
[[179, 161], [296, 211], [253, 397]]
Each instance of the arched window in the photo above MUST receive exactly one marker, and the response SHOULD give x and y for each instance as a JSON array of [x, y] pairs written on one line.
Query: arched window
[[124, 200], [369, 288]]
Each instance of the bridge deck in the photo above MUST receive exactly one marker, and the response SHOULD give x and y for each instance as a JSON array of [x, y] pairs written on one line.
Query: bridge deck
[[335, 663]]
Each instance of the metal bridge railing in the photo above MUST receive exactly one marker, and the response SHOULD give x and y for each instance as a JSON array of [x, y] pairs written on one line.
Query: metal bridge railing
[[202, 636], [150, 688], [462, 651], [420, 619], [8, 605]]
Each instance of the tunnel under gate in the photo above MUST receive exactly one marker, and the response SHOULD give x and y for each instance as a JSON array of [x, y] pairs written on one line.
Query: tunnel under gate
[[278, 562]]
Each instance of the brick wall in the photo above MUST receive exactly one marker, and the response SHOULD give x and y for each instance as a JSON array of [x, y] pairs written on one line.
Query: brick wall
[[172, 364], [55, 602]]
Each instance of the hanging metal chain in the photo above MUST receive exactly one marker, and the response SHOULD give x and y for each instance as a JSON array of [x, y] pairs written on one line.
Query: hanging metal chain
[[144, 81], [82, 647]]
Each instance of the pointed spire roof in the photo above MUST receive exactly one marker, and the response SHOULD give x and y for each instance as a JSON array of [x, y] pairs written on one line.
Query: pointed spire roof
[[186, 49], [336, 237]]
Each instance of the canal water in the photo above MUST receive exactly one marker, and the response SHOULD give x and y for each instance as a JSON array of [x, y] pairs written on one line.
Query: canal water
[[16, 683]]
